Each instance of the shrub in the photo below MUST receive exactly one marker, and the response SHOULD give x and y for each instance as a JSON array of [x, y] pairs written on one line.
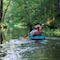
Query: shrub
[[57, 32]]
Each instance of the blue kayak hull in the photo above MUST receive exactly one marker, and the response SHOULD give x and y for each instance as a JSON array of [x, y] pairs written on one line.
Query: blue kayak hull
[[40, 37]]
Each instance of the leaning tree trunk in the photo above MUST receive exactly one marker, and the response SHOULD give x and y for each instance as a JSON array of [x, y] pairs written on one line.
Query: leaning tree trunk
[[1, 20], [6, 9]]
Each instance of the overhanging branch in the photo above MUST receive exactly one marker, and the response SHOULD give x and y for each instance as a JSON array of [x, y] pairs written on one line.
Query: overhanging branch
[[6, 9]]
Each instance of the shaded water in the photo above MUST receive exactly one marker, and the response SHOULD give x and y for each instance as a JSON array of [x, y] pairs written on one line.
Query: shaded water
[[19, 49]]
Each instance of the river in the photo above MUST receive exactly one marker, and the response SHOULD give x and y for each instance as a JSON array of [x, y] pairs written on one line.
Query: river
[[19, 49]]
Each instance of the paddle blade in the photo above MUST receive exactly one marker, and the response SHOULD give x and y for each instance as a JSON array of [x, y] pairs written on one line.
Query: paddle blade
[[26, 38]]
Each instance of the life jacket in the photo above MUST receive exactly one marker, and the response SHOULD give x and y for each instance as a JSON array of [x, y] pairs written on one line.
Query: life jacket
[[38, 32]]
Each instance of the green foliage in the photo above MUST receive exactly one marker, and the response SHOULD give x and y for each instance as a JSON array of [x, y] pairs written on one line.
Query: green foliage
[[29, 12], [57, 32]]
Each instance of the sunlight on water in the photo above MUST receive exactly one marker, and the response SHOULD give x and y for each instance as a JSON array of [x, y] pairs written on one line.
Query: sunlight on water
[[13, 49]]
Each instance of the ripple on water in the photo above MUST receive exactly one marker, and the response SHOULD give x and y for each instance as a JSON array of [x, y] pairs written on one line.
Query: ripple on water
[[14, 51]]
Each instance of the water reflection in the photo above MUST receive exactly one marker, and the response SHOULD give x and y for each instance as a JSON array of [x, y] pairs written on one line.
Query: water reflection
[[14, 50], [27, 50]]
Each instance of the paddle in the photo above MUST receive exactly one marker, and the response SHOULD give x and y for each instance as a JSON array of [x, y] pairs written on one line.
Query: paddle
[[25, 38]]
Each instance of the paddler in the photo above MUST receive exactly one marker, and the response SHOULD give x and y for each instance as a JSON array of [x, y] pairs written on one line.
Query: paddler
[[37, 30]]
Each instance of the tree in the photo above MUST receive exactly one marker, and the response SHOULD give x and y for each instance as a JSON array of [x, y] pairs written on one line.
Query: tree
[[31, 11], [6, 8], [1, 20]]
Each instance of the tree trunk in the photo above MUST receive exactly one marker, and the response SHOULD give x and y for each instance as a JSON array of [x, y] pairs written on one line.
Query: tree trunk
[[1, 20], [1, 11], [58, 12], [6, 9]]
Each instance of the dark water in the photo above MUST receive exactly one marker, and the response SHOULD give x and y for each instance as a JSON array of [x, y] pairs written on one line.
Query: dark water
[[50, 51], [18, 49]]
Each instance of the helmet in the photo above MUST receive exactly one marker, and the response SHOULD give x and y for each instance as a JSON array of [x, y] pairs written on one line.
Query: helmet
[[36, 26]]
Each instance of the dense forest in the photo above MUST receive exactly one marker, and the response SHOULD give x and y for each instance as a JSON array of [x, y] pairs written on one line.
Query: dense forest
[[18, 11]]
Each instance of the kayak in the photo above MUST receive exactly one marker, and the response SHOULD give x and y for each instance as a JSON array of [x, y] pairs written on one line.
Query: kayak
[[39, 37]]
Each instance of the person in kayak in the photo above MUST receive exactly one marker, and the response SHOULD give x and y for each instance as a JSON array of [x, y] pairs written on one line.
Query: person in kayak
[[36, 31]]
